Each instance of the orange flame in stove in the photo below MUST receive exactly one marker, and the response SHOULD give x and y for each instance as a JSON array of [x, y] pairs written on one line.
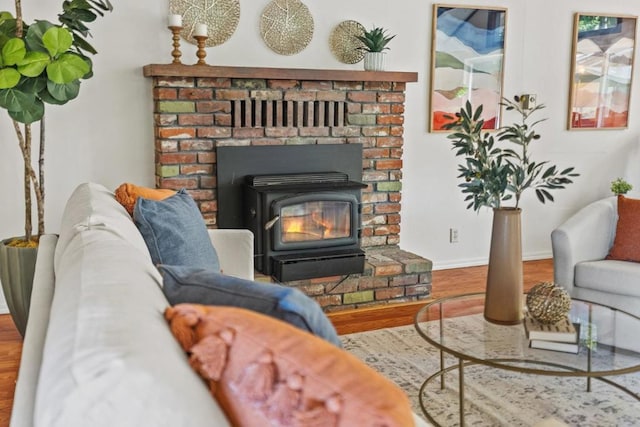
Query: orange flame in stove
[[294, 225]]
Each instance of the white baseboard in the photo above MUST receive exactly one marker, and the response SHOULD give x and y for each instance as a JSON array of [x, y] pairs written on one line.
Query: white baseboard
[[459, 263], [474, 262]]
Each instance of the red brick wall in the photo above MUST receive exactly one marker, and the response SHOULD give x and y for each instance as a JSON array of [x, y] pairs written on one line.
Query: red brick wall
[[194, 115]]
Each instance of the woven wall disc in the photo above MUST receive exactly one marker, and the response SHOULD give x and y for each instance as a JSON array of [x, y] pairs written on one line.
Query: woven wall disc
[[221, 17], [286, 26], [344, 44]]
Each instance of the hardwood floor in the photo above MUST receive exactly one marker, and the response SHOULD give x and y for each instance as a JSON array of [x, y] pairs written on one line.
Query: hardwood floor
[[10, 350], [445, 283]]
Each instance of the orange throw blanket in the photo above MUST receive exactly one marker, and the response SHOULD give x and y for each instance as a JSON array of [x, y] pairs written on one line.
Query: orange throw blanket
[[127, 194]]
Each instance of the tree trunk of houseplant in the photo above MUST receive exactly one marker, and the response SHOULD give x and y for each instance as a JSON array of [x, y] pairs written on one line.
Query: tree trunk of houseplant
[[17, 266], [34, 87], [504, 293], [18, 255]]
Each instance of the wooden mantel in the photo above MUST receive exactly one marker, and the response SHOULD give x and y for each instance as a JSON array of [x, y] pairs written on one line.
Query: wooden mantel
[[180, 70]]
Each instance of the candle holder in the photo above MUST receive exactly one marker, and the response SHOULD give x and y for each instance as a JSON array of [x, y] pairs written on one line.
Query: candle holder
[[201, 53], [176, 44]]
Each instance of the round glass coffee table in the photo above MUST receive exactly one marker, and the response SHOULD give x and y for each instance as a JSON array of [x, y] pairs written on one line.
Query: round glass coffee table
[[607, 345]]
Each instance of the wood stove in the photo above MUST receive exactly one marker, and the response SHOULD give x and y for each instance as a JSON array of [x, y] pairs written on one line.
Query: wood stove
[[302, 203], [305, 224]]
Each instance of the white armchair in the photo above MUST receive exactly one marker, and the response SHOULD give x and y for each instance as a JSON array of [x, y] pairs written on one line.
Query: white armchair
[[580, 247]]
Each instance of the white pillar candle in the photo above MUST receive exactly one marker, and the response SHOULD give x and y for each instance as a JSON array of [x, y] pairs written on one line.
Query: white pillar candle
[[175, 20], [200, 30]]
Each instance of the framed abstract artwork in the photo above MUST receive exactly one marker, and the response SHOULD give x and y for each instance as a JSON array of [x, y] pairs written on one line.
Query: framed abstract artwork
[[467, 57], [601, 71]]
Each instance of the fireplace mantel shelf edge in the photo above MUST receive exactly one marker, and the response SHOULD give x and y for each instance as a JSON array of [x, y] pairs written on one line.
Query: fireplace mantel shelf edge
[[181, 70]]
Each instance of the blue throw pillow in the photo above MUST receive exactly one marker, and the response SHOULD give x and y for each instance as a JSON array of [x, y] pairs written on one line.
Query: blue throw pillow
[[175, 232], [207, 287]]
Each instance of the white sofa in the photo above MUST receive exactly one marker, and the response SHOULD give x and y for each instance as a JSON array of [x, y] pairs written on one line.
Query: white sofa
[[580, 247], [97, 349]]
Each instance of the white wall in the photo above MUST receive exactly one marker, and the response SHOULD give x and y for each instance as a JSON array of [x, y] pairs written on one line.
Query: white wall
[[106, 134]]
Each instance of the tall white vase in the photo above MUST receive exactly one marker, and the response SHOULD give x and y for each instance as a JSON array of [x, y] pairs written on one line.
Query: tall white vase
[[374, 61]]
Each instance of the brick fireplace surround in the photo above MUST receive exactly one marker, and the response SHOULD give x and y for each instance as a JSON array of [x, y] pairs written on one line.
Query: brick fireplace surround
[[198, 108]]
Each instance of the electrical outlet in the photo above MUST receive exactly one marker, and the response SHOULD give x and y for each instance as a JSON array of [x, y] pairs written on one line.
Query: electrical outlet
[[453, 235], [528, 101]]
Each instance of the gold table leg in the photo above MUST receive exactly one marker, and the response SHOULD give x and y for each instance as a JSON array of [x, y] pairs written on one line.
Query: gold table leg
[[461, 390]]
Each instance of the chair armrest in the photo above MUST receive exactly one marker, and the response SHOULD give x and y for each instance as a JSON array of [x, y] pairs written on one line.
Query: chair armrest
[[34, 337], [586, 236], [235, 251]]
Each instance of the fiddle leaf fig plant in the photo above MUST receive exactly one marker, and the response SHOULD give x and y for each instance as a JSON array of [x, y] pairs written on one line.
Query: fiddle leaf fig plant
[[492, 173], [43, 63]]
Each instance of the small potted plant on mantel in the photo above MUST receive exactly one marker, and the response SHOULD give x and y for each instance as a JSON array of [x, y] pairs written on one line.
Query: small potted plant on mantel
[[40, 63], [374, 44], [492, 175]]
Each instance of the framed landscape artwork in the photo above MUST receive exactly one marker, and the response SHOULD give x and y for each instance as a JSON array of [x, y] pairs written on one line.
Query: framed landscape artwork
[[467, 56], [601, 71]]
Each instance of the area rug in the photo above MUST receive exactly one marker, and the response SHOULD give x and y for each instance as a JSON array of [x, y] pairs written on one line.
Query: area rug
[[493, 397]]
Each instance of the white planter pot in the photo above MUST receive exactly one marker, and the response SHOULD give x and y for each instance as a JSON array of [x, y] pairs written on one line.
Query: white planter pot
[[374, 61]]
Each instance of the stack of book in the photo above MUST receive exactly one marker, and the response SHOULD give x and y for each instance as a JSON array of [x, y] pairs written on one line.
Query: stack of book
[[560, 336]]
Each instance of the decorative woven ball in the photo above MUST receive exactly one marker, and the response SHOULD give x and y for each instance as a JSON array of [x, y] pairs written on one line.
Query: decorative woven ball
[[548, 303]]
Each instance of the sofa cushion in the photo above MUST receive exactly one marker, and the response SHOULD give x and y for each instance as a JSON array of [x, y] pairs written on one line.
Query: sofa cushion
[[266, 372], [175, 232], [626, 246], [611, 276], [92, 206], [109, 359], [127, 194], [202, 286]]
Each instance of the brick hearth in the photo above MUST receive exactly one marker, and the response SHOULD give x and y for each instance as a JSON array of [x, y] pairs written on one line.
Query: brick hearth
[[200, 108]]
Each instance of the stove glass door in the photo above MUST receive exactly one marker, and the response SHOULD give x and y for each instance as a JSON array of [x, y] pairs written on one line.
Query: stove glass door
[[315, 220]]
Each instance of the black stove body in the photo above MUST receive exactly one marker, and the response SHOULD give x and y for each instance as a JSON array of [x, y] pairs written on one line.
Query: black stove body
[[305, 224]]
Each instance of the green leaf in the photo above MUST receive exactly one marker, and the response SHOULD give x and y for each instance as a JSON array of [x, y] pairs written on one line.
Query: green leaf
[[34, 35], [4, 15], [76, 27], [8, 26], [9, 77], [64, 92], [15, 100], [33, 64], [7, 31], [102, 4], [13, 51], [67, 68], [47, 98], [33, 113], [57, 40], [478, 112], [81, 15], [33, 84], [90, 65]]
